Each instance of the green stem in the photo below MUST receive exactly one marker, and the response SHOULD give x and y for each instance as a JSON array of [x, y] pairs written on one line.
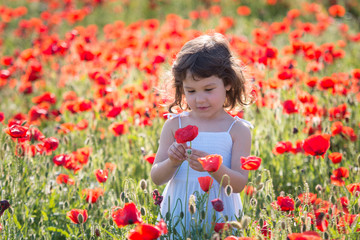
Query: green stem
[[82, 230], [186, 194]]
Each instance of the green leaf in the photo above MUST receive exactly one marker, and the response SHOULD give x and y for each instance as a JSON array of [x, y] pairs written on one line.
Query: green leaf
[[54, 229], [44, 216], [16, 222], [103, 229]]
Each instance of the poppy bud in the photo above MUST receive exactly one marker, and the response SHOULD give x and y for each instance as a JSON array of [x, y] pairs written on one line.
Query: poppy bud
[[295, 130], [97, 232], [228, 190], [87, 141], [215, 236], [181, 215], [261, 222], [122, 196], [268, 198], [5, 147], [245, 221], [258, 179], [142, 211], [202, 214], [168, 216], [318, 188], [192, 208], [298, 203], [80, 218], [217, 204], [283, 225], [253, 202], [143, 184], [358, 160], [235, 224], [260, 187], [65, 140]]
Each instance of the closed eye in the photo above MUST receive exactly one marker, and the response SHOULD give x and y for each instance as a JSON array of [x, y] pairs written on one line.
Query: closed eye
[[209, 89], [191, 91]]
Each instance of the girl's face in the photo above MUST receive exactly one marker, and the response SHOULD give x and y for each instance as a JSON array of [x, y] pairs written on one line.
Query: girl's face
[[205, 96]]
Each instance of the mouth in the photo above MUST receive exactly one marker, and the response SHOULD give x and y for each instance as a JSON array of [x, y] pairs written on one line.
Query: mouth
[[202, 108]]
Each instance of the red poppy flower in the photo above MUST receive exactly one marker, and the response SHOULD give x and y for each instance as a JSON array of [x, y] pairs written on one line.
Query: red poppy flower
[[353, 188], [74, 215], [211, 163], [101, 175], [282, 147], [321, 223], [309, 235], [147, 231], [338, 175], [60, 159], [311, 197], [344, 201], [110, 166], [337, 10], [218, 204], [114, 112], [349, 133], [243, 11], [126, 215], [289, 107], [118, 128], [82, 155], [285, 203], [35, 134], [92, 195], [249, 190], [205, 183], [2, 116], [63, 178], [335, 157], [346, 221], [45, 97], [150, 158], [83, 124], [341, 172], [238, 238], [336, 128], [317, 145], [250, 162], [50, 144], [16, 131], [186, 134], [219, 227]]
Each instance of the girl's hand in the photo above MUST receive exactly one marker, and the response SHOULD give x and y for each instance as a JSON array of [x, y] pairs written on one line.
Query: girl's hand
[[193, 160], [177, 153]]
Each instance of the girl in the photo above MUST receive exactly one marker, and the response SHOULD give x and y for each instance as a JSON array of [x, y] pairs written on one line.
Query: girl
[[208, 76]]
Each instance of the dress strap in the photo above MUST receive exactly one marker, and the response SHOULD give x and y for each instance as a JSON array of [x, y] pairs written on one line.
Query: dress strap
[[179, 115], [247, 123]]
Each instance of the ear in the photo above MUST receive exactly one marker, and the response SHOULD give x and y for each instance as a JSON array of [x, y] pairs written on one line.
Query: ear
[[228, 87]]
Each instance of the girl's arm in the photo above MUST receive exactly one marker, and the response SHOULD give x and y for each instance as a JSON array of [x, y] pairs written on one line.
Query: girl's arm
[[169, 156], [241, 136]]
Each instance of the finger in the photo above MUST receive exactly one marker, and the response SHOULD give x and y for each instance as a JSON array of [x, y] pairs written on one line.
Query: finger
[[174, 153]]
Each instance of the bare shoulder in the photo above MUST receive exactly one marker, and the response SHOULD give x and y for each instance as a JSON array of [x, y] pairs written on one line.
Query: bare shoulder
[[170, 126], [240, 132]]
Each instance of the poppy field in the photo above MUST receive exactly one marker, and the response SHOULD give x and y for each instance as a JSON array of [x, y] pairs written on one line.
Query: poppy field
[[83, 91]]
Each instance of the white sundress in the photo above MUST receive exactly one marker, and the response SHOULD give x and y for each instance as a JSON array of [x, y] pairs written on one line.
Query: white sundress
[[212, 143]]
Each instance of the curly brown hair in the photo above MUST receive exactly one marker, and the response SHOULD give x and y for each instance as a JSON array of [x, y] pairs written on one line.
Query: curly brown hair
[[206, 56]]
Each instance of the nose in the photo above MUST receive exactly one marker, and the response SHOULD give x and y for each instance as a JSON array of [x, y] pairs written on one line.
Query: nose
[[200, 98]]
